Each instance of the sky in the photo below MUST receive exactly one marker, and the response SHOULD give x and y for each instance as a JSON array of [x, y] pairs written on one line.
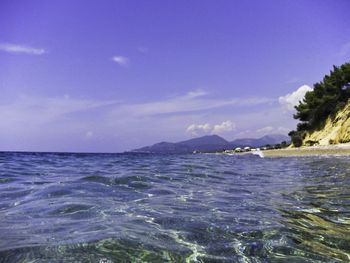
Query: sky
[[111, 76]]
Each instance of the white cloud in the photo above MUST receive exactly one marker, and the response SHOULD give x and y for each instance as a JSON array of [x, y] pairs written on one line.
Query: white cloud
[[203, 129], [292, 99], [13, 48], [121, 61], [225, 126], [199, 129]]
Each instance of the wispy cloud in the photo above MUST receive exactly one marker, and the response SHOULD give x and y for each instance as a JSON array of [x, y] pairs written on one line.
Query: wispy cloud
[[195, 93], [14, 48], [265, 130], [72, 120], [271, 130], [42, 110], [121, 61], [192, 101]]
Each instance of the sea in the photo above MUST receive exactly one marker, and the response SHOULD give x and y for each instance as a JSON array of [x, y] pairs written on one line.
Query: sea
[[133, 207]]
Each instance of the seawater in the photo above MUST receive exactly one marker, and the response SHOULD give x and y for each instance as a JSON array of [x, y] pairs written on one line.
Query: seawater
[[108, 208]]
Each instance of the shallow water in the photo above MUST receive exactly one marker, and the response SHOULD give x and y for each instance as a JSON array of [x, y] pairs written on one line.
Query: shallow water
[[173, 208]]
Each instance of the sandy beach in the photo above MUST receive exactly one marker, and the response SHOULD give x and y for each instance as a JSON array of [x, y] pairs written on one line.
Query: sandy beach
[[338, 149]]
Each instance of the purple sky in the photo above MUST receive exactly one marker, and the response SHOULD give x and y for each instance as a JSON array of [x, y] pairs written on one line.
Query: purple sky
[[109, 76]]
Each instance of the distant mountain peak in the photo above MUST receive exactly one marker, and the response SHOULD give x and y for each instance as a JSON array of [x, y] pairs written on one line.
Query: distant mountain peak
[[207, 139], [258, 142]]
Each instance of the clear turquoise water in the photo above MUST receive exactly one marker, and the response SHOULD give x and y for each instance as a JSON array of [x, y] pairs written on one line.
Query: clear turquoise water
[[173, 208]]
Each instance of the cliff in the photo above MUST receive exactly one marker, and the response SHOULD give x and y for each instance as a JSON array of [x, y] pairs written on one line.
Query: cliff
[[336, 130]]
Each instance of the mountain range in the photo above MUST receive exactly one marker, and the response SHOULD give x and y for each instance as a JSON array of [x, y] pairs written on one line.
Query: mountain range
[[211, 143]]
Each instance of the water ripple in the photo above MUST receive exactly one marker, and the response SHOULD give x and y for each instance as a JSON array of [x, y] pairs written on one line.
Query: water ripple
[[173, 208]]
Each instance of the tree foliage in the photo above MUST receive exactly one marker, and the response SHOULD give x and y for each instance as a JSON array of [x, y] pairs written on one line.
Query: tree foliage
[[326, 99]]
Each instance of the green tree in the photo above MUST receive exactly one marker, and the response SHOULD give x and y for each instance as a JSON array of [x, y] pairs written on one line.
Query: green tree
[[326, 99]]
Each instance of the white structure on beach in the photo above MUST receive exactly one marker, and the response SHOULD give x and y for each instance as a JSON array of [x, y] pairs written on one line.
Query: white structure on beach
[[238, 150]]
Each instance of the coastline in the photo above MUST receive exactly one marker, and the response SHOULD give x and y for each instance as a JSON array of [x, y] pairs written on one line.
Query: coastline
[[337, 149]]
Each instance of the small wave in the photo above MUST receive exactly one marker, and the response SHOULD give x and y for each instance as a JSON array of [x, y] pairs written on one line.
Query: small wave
[[58, 193], [71, 209], [139, 185], [7, 180], [97, 179], [16, 194], [127, 179], [157, 192]]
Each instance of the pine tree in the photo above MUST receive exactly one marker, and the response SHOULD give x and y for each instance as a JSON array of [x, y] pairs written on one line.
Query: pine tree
[[325, 100]]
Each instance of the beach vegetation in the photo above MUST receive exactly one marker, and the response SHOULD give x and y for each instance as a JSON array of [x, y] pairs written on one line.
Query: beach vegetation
[[328, 96]]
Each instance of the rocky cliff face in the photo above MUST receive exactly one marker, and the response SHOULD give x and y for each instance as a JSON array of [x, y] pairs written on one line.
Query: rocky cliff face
[[336, 130]]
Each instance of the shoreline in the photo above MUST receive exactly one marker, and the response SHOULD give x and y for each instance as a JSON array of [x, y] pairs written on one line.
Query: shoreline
[[319, 150]]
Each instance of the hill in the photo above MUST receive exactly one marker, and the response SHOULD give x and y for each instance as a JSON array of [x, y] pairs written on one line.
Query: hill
[[267, 139], [210, 143], [205, 143]]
